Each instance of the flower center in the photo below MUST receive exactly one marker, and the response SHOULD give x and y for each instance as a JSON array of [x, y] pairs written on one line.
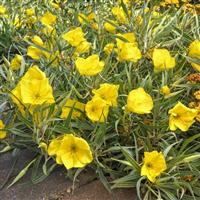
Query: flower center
[[149, 165], [73, 148], [37, 95], [93, 109]]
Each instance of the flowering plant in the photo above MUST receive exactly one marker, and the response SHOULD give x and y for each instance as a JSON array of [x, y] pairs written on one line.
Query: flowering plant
[[108, 85]]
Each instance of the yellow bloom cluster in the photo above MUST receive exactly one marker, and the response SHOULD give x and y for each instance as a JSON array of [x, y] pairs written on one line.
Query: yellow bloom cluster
[[97, 109], [76, 38], [117, 70]]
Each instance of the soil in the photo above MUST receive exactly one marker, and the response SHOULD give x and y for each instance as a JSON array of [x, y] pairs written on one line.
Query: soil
[[56, 186]]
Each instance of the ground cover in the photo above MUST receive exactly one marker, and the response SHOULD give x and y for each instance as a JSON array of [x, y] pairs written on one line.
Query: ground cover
[[109, 86]]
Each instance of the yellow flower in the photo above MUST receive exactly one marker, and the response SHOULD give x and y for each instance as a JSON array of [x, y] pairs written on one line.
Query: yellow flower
[[74, 37], [2, 133], [53, 148], [30, 20], [154, 165], [34, 52], [32, 90], [165, 90], [32, 95], [49, 31], [72, 151], [110, 27], [125, 37], [89, 66], [30, 12], [55, 5], [52, 58], [17, 22], [16, 62], [171, 1], [194, 52], [2, 10], [125, 1], [37, 40], [48, 19], [108, 48], [181, 117], [119, 14], [97, 110], [128, 52], [82, 17], [34, 73], [162, 60], [83, 47], [139, 20], [107, 92], [78, 109], [139, 101]]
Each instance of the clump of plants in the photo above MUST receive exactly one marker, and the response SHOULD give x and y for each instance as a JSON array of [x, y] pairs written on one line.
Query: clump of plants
[[113, 86]]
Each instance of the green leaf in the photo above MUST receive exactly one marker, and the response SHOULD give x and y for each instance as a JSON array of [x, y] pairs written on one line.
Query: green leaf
[[104, 180], [130, 159], [21, 174]]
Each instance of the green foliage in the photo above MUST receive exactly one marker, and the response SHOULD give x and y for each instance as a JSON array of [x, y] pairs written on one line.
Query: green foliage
[[119, 144]]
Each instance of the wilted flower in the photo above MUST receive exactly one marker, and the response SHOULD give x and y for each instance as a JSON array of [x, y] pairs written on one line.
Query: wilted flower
[[197, 94], [154, 165]]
